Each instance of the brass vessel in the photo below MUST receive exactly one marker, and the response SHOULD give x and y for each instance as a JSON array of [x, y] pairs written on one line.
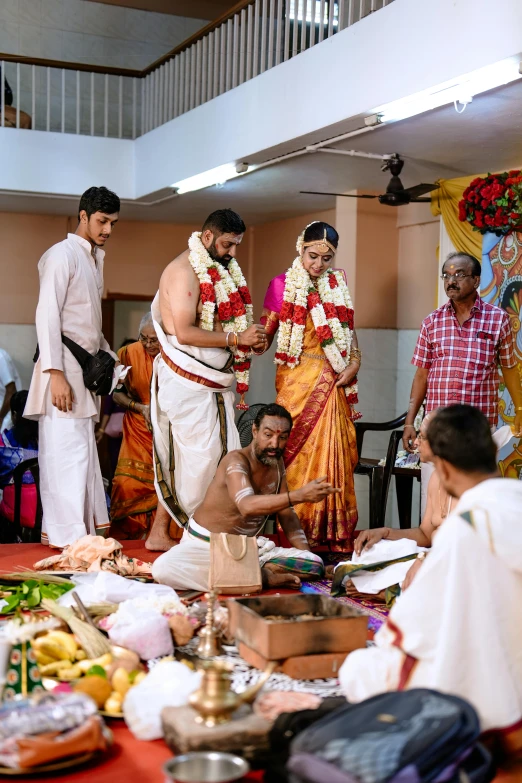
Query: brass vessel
[[215, 701], [209, 643]]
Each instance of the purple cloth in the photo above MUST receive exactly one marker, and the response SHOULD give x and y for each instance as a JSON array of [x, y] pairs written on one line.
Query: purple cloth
[[274, 295]]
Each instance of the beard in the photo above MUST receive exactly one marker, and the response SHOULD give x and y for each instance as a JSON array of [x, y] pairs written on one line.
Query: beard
[[268, 457], [214, 255]]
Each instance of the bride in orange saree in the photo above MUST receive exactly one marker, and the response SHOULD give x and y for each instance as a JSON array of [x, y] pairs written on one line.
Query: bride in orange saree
[[317, 361]]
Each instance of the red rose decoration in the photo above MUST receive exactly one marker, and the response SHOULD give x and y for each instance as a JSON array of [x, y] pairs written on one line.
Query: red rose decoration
[[300, 315], [283, 357], [350, 319], [245, 294], [342, 314], [287, 311], [333, 281], [313, 299], [225, 311], [214, 274], [207, 292], [241, 388], [324, 333], [330, 310], [238, 307]]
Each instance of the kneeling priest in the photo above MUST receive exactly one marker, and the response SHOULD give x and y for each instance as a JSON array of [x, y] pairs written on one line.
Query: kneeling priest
[[249, 486]]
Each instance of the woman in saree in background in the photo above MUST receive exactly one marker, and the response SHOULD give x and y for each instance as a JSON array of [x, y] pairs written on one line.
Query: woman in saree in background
[[317, 361], [134, 501]]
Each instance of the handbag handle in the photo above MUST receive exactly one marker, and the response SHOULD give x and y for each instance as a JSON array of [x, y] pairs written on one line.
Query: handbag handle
[[227, 548]]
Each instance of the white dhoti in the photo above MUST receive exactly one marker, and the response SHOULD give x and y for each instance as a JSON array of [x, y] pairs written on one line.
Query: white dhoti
[[187, 565], [71, 486], [457, 627], [192, 414]]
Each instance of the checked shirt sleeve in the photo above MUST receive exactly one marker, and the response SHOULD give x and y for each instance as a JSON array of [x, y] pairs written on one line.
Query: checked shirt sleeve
[[422, 356], [506, 350]]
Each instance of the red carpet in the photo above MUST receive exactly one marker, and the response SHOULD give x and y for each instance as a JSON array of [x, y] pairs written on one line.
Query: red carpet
[[130, 759]]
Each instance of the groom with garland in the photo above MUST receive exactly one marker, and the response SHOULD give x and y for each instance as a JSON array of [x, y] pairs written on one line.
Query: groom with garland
[[203, 318]]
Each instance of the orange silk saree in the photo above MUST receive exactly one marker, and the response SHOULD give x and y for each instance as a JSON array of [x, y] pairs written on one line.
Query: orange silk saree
[[134, 501], [322, 441]]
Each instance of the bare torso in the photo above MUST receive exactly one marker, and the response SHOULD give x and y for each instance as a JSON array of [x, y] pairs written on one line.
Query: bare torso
[[180, 267], [439, 506], [218, 512]]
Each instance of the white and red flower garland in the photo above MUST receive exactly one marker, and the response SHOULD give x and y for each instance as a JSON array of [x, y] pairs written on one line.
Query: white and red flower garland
[[331, 309], [227, 289]]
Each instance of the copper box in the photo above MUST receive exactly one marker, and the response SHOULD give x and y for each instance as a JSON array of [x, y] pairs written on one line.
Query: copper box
[[335, 627]]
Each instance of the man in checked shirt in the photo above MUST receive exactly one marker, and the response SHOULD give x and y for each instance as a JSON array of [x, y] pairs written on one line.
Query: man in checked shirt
[[459, 349]]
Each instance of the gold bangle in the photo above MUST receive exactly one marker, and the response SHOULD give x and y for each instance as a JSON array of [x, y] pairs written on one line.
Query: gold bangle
[[519, 408], [132, 405]]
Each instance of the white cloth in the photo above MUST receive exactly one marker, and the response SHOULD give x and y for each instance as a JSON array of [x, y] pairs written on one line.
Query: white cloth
[[96, 587], [71, 486], [459, 622], [187, 565], [71, 287], [186, 413], [373, 583], [8, 374]]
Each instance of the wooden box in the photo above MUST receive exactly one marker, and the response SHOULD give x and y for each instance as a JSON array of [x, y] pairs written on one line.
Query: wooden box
[[299, 667], [330, 626]]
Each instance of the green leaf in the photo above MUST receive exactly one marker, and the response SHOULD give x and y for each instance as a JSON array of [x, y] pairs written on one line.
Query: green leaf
[[96, 669], [12, 603], [34, 597]]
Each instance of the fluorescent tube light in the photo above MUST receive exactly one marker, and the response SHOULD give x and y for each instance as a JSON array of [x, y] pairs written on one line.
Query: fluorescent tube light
[[217, 176], [463, 87]]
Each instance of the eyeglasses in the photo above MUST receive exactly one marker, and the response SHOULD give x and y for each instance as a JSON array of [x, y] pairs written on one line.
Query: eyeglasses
[[148, 340], [456, 275]]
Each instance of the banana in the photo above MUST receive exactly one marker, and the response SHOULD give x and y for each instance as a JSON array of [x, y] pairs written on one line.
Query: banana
[[43, 660], [66, 640], [72, 673], [80, 654], [55, 668], [54, 650], [103, 661]]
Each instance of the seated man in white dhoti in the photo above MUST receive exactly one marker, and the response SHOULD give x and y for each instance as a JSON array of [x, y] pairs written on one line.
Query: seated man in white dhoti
[[250, 485], [71, 287], [203, 318], [457, 628]]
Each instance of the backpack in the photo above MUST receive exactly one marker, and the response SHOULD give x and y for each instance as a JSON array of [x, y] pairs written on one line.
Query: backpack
[[414, 736]]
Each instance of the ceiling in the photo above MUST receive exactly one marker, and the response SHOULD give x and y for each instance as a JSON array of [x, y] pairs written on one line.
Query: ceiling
[[195, 9], [438, 144]]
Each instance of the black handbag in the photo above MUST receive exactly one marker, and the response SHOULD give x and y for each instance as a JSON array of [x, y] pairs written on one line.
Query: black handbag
[[97, 370]]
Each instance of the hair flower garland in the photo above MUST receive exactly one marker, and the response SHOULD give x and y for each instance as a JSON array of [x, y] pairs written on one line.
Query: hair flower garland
[[331, 309], [226, 289]]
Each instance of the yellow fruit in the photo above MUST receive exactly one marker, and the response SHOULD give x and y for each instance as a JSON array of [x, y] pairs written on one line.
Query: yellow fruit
[[80, 655], [73, 673], [54, 650], [139, 678], [113, 706], [66, 640], [43, 660], [104, 661], [120, 681], [52, 669]]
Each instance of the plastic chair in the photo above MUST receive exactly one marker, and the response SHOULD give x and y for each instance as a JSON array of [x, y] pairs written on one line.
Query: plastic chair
[[28, 534], [371, 468], [245, 421], [403, 482]]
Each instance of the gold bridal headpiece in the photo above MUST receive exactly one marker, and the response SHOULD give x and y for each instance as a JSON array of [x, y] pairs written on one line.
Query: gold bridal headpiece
[[323, 245]]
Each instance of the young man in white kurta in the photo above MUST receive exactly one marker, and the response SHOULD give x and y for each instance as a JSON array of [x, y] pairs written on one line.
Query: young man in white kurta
[[71, 287]]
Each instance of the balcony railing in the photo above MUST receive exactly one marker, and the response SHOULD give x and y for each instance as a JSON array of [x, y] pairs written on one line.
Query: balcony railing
[[251, 38]]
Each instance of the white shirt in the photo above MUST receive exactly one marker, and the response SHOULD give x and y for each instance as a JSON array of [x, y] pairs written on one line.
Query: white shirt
[[8, 374], [71, 287]]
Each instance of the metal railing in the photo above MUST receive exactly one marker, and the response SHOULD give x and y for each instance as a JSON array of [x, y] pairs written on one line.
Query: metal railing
[[251, 38]]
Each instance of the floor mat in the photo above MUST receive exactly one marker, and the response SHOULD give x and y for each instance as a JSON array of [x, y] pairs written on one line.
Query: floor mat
[[373, 607]]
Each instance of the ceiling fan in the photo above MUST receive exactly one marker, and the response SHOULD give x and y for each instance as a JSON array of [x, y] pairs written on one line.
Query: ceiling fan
[[396, 194]]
